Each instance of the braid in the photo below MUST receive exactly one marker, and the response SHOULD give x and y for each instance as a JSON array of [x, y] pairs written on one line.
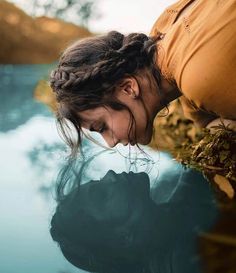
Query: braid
[[67, 78], [133, 48], [125, 56]]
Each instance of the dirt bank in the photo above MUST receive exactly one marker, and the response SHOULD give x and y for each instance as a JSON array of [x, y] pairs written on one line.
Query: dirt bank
[[33, 40]]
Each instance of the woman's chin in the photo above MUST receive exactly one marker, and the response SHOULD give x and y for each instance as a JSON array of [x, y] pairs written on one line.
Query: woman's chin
[[146, 140]]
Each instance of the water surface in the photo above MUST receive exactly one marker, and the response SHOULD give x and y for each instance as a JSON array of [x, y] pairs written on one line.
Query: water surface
[[31, 155]]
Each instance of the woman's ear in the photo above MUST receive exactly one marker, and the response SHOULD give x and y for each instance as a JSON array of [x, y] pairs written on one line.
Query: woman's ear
[[129, 86]]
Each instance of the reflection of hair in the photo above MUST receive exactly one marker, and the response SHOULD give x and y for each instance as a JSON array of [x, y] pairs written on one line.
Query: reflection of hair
[[71, 173], [74, 229], [85, 255], [89, 69]]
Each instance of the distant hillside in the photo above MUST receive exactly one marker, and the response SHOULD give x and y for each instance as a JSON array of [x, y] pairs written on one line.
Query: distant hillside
[[33, 40]]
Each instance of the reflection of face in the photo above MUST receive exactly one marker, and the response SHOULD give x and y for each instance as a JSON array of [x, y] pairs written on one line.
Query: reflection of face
[[114, 125], [122, 212]]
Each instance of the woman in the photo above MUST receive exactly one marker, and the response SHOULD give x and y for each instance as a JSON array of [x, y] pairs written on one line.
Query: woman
[[115, 84], [113, 225]]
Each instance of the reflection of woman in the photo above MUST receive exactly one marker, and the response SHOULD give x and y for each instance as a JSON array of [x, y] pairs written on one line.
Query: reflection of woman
[[116, 84], [113, 225]]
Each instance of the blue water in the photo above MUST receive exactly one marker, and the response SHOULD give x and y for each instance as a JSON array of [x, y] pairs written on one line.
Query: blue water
[[29, 162], [31, 156]]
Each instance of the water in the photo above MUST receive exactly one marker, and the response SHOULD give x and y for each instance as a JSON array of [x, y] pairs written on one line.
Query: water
[[31, 155], [29, 162]]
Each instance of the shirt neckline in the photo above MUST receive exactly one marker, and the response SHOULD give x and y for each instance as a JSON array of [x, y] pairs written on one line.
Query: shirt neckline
[[179, 8]]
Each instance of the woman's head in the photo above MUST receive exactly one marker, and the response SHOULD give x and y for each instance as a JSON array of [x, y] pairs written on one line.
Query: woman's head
[[108, 224], [108, 77]]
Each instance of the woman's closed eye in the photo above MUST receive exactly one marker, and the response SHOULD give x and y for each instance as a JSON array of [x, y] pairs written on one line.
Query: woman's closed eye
[[99, 129]]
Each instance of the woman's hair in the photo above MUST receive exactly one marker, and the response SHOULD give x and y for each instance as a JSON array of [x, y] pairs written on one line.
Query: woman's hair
[[88, 71]]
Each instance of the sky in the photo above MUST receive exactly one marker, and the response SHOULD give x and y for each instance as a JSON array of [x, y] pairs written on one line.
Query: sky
[[129, 15], [122, 15]]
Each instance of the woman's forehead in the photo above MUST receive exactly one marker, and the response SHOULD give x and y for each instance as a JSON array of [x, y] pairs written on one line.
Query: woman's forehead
[[97, 115], [93, 114]]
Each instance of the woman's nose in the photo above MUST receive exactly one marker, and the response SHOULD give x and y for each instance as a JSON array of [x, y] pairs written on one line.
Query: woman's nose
[[111, 141]]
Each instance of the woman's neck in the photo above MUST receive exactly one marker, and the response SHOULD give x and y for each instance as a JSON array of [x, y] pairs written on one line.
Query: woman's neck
[[170, 90], [157, 97], [166, 93]]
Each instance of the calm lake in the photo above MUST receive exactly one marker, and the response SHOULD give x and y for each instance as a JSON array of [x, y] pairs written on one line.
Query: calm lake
[[31, 156]]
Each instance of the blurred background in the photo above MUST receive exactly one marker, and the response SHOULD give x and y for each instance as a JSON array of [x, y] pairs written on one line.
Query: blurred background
[[36, 31]]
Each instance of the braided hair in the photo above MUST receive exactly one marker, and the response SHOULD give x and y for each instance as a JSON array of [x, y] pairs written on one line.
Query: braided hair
[[89, 70]]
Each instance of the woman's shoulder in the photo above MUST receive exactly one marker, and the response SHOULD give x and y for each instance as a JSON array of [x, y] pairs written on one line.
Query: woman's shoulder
[[167, 17]]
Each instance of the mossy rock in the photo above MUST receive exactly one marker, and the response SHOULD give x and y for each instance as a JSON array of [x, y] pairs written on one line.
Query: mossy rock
[[213, 153]]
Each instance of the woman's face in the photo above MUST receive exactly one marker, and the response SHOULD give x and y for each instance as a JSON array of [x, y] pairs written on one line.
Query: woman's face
[[114, 125]]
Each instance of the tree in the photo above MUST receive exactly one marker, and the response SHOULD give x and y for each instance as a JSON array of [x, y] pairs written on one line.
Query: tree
[[78, 11]]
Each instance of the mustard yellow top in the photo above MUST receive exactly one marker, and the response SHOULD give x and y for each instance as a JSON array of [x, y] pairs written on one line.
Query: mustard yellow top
[[198, 53]]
